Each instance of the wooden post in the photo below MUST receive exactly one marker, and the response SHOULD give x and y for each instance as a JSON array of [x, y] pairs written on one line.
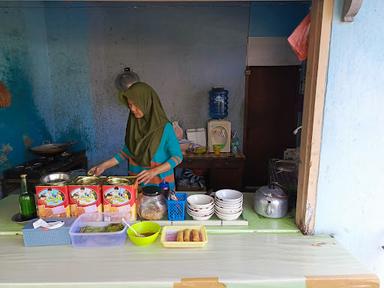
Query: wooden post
[[314, 95]]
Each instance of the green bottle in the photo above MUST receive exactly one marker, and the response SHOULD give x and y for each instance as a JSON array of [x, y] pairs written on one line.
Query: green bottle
[[26, 200]]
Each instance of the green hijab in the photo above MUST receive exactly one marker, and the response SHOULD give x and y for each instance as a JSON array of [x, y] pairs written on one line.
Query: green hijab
[[143, 135]]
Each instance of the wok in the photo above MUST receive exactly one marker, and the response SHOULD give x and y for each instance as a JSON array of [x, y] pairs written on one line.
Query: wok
[[51, 149]]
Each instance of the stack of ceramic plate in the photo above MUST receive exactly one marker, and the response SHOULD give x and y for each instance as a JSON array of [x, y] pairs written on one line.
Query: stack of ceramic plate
[[228, 204], [200, 207]]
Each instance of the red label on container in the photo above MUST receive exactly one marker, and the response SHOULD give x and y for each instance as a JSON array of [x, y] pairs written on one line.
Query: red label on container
[[117, 196], [52, 201], [84, 199]]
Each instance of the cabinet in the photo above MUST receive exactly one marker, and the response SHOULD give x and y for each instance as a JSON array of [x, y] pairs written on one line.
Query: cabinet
[[222, 171]]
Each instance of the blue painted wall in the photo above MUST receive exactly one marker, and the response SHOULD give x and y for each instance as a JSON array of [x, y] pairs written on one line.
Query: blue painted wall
[[79, 48], [350, 186], [21, 124], [276, 19]]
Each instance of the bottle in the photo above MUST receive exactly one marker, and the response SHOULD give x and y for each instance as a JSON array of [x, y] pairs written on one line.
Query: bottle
[[164, 187], [26, 200], [218, 103]]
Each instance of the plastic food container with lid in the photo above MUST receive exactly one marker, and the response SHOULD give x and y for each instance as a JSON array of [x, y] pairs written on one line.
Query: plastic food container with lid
[[97, 239], [151, 203]]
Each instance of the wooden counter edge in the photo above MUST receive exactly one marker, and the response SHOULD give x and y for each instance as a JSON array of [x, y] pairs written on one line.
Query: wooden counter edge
[[343, 281]]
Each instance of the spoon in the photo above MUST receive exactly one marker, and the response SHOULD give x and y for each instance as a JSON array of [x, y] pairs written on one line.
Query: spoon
[[130, 227]]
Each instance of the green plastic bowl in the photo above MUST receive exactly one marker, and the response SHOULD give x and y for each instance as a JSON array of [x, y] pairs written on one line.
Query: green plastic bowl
[[142, 228]]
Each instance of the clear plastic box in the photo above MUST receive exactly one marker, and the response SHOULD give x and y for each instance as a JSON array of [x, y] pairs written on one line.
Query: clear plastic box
[[97, 239]]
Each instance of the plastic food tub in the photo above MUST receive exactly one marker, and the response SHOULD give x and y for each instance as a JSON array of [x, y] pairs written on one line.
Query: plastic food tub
[[169, 235], [97, 239]]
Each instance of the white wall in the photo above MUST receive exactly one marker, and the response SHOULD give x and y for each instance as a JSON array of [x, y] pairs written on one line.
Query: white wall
[[351, 183]]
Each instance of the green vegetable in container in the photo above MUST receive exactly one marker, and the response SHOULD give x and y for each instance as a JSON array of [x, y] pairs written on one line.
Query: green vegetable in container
[[114, 227]]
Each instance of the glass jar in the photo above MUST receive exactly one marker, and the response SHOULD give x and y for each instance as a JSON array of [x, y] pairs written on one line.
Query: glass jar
[[151, 203], [218, 103]]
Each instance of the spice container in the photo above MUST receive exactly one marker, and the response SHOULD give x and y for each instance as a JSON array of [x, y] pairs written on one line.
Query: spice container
[[119, 196], [52, 196], [85, 195], [151, 203]]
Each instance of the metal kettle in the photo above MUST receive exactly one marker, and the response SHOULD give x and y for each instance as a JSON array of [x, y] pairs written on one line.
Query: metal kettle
[[271, 201], [126, 79]]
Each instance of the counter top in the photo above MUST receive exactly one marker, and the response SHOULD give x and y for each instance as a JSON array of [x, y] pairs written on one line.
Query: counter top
[[9, 206], [238, 256], [238, 260]]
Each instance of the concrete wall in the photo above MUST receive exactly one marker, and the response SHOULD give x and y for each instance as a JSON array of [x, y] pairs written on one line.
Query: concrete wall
[[350, 187], [79, 48], [21, 125]]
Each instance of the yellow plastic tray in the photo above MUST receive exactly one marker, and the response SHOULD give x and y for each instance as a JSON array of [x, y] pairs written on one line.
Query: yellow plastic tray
[[175, 244]]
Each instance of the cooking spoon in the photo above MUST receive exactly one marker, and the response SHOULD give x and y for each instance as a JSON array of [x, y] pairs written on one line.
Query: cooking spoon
[[130, 227]]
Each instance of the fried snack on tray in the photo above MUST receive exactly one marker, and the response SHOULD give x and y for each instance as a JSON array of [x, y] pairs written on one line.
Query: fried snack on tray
[[180, 236], [195, 235], [187, 235]]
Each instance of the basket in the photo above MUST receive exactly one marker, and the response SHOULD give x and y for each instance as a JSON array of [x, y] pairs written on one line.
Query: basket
[[176, 209]]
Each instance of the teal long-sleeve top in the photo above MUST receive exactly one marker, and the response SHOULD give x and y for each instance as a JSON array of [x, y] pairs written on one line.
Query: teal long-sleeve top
[[168, 152]]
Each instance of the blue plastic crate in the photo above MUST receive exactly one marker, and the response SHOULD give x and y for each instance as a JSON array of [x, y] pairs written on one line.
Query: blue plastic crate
[[176, 209]]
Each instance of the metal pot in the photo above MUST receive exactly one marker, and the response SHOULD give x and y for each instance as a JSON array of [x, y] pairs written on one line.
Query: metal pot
[[126, 79], [271, 201], [56, 179]]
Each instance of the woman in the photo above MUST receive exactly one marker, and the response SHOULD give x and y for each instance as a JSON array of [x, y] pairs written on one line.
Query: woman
[[151, 146]]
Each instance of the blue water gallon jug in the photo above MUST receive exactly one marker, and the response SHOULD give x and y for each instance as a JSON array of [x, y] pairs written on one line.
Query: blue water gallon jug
[[218, 103]]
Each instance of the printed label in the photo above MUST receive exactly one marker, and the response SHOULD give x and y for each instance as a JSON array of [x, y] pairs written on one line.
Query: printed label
[[117, 196], [84, 196], [51, 197]]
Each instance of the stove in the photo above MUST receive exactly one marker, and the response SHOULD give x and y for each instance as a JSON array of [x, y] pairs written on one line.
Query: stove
[[65, 162]]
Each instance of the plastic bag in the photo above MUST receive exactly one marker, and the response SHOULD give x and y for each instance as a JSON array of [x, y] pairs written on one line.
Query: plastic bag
[[299, 38]]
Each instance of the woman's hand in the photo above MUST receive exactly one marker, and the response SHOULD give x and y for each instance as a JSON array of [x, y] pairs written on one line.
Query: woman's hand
[[146, 175], [99, 169]]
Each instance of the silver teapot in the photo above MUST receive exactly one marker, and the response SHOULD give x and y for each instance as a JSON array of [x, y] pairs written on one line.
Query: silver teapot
[[271, 201]]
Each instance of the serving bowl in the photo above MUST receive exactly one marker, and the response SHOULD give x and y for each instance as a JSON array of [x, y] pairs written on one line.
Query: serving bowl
[[228, 211], [200, 201], [144, 228], [228, 217], [228, 195]]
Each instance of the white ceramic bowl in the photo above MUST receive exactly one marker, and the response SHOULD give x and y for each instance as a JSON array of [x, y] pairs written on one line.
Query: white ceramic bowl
[[228, 211], [197, 209], [201, 216], [229, 195], [229, 207], [201, 212], [200, 200], [217, 200], [228, 217], [228, 203]]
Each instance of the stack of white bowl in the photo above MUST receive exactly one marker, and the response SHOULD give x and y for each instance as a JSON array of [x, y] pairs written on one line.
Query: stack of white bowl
[[200, 207], [228, 204]]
